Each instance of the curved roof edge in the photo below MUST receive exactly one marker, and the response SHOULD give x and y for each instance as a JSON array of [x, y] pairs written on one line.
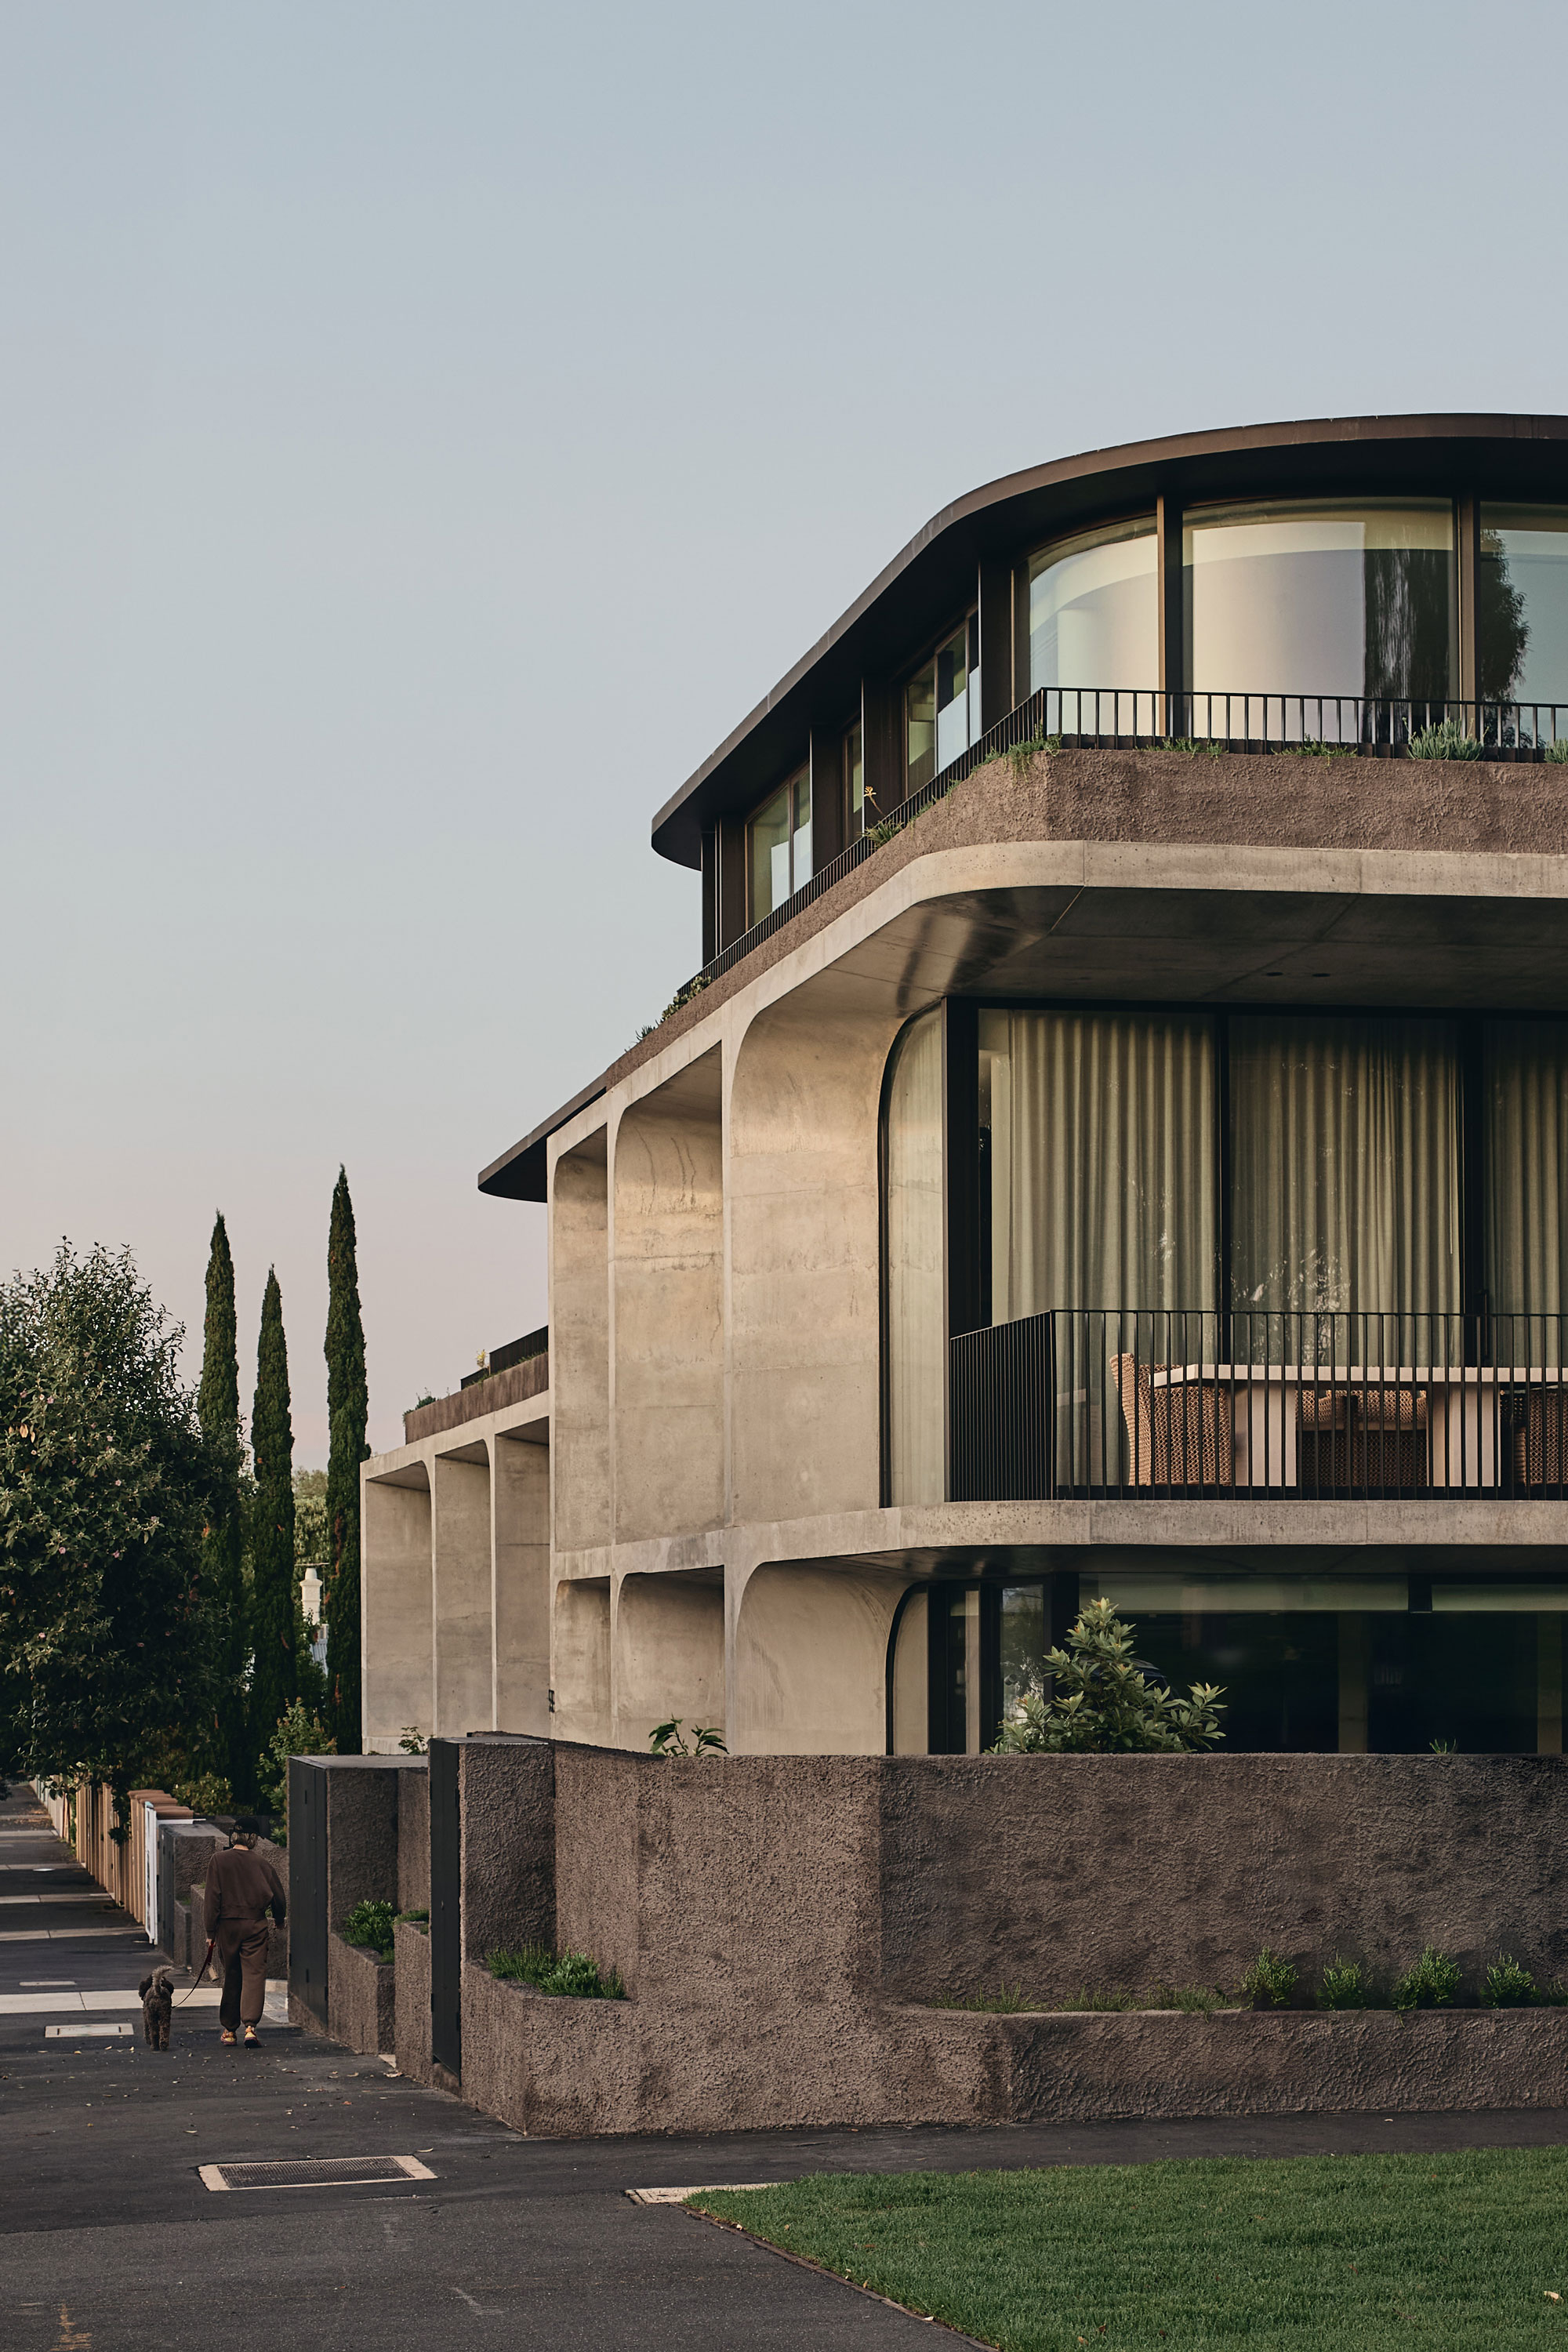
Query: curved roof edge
[[915, 594]]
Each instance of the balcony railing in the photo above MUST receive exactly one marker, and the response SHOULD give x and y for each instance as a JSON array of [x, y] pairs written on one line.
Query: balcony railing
[[1128, 719], [1143, 1403]]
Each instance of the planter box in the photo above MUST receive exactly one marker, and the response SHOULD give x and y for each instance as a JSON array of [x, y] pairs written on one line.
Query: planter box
[[360, 1999], [411, 2028]]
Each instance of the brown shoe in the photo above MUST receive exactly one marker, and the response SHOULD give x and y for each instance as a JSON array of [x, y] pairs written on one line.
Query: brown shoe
[[227, 2036]]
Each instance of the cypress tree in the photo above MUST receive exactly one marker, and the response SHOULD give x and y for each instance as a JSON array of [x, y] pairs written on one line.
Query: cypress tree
[[348, 1411], [223, 1543], [273, 1678]]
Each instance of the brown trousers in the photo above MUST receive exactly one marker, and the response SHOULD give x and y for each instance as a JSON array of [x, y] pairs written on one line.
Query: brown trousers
[[241, 1954]]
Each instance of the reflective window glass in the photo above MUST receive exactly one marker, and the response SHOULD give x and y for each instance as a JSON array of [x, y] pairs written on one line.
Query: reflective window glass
[[1321, 600], [780, 837], [1094, 620], [800, 843], [855, 780], [1522, 605], [920, 727], [942, 707]]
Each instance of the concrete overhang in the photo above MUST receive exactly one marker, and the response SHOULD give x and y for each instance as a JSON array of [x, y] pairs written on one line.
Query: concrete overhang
[[1501, 457]]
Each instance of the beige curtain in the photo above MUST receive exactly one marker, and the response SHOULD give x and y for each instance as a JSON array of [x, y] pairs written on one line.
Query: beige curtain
[[1345, 1184], [916, 1353], [1527, 1180], [1103, 1163]]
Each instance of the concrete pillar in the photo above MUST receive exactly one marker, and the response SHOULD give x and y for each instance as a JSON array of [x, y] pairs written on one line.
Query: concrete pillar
[[465, 1680], [580, 1349], [912, 1677], [580, 1661], [669, 1309], [396, 1646], [811, 1660], [519, 1529], [668, 1654]]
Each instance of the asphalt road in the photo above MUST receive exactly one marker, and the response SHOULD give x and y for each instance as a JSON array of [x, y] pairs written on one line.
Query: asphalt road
[[110, 2242]]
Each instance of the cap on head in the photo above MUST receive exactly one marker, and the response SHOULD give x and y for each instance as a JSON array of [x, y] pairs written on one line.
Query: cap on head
[[246, 1825]]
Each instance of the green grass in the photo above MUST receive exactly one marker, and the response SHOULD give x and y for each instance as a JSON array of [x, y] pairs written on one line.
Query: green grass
[[1313, 2254], [570, 1973]]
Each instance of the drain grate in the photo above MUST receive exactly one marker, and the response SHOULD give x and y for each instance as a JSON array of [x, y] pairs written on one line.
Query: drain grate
[[316, 2172], [83, 2033]]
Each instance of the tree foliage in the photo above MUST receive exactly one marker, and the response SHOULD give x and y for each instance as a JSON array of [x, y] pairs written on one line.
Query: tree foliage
[[217, 1408], [105, 1485], [1103, 1699], [348, 1412], [273, 1604]]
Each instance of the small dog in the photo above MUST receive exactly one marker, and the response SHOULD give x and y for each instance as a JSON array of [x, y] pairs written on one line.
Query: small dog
[[157, 1993]]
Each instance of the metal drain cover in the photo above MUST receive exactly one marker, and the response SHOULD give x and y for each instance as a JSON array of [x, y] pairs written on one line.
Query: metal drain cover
[[82, 2032], [316, 2172]]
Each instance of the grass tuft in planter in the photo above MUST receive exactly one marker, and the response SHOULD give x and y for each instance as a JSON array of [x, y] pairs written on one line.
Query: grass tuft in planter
[[572, 1973], [1508, 1984], [1270, 1981], [1344, 1986], [370, 1924], [1430, 1984]]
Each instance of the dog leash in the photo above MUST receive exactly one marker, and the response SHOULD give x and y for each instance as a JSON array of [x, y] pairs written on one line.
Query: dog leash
[[197, 1977]]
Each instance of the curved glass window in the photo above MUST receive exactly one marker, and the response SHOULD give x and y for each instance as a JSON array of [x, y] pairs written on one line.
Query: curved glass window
[[1321, 599], [1522, 605], [916, 1353], [1094, 618]]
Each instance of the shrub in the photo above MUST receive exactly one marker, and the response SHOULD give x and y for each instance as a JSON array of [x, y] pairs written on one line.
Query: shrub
[[1344, 1986], [1270, 1982], [1430, 1984], [1194, 2000], [1208, 746], [1557, 753], [1507, 1984], [420, 1919], [209, 1793], [1103, 1699], [1445, 739], [572, 1973], [371, 1922], [413, 1742], [1310, 749], [668, 1739]]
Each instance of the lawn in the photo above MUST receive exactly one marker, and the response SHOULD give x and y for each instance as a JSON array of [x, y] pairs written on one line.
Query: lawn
[[1309, 2255]]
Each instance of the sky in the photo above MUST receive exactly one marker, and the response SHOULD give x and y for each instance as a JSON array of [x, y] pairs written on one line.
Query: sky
[[427, 429]]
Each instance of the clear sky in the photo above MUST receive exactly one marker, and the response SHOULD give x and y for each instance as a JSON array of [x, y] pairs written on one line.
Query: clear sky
[[427, 429]]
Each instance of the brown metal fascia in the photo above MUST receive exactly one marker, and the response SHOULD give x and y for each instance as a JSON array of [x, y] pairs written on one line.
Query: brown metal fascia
[[909, 598], [519, 1174]]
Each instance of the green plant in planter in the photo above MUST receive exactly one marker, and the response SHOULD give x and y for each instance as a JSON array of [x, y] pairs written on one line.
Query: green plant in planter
[[572, 1973], [1311, 748], [1430, 1984], [1557, 753], [1344, 1986], [1270, 1982], [1508, 1985], [420, 1919], [371, 1923], [670, 1739], [1445, 740], [1104, 1700]]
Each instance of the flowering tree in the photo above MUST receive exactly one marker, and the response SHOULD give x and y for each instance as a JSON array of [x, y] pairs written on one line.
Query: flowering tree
[[1104, 1699], [105, 1627]]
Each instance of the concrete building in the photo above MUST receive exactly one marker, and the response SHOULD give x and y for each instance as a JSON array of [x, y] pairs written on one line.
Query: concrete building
[[1116, 1142]]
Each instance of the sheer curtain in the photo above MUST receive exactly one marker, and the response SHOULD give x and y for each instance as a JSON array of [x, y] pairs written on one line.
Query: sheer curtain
[[1103, 1163], [1345, 1182], [1526, 1194], [916, 1367]]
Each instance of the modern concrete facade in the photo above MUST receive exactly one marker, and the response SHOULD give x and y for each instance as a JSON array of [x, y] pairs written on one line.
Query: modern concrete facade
[[819, 1452]]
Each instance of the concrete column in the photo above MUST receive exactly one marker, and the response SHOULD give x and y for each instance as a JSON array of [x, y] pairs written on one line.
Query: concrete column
[[668, 1654], [911, 1678], [811, 1660], [580, 1349], [667, 1314], [580, 1661], [519, 1535], [396, 1647], [971, 1671], [465, 1682]]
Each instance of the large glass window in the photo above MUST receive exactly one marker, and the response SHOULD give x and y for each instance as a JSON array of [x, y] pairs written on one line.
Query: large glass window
[[941, 706], [779, 838], [1522, 605], [1345, 1182], [854, 783], [917, 1347], [1100, 1134], [1094, 618], [1331, 599]]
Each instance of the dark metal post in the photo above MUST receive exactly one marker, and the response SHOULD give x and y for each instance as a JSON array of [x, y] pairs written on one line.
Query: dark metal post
[[829, 813], [1467, 522], [307, 1938], [883, 748], [445, 1924], [1173, 610]]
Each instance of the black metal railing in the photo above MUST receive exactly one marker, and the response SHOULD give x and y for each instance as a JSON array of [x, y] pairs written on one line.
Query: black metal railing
[[1146, 1401], [1128, 719]]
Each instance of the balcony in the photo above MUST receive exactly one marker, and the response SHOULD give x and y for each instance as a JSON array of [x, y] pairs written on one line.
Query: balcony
[[1139, 1404]]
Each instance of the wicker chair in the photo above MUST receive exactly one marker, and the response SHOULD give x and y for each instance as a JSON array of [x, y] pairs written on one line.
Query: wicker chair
[[1540, 1437], [1390, 1426], [1181, 1435], [1322, 1437]]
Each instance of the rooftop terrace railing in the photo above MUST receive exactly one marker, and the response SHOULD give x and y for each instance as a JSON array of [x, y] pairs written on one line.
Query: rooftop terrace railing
[[1136, 1404], [1124, 719]]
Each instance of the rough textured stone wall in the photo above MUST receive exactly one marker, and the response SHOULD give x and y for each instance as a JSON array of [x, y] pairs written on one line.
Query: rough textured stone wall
[[360, 1993]]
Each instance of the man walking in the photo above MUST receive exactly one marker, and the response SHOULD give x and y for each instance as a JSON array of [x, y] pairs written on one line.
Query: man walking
[[241, 1890]]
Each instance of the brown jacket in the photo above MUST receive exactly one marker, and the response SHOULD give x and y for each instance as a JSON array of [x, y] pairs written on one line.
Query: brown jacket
[[241, 1889]]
